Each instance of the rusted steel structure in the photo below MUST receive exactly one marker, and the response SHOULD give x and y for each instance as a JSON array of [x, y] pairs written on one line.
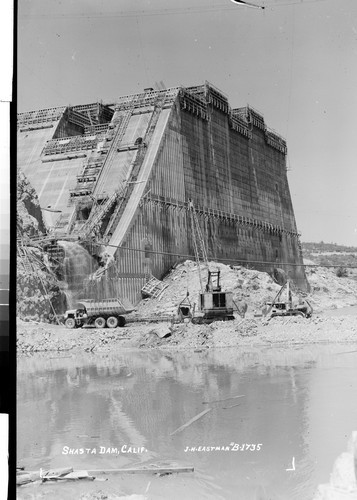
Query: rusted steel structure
[[122, 175]]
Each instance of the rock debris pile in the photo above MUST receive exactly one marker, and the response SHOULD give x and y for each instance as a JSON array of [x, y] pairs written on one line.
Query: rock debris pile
[[249, 286]]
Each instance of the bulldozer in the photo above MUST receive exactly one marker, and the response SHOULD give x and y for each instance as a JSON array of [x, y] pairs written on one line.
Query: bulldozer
[[287, 307]]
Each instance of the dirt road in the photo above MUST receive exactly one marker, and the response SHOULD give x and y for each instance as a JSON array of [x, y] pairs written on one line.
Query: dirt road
[[34, 337]]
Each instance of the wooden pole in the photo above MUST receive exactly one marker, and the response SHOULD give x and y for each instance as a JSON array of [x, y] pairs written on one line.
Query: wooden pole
[[190, 421], [153, 469]]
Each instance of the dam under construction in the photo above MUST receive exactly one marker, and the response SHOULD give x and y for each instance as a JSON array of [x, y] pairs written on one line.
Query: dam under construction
[[115, 182]]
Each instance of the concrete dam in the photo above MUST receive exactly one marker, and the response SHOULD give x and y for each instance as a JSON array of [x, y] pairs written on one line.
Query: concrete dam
[[118, 178]]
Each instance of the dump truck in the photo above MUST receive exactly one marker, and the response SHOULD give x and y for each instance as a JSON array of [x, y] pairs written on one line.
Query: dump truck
[[102, 313]]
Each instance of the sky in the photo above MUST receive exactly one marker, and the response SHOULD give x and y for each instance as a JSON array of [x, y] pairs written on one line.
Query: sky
[[295, 62]]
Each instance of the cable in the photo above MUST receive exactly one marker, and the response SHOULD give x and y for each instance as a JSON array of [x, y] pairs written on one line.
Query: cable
[[296, 2], [158, 12], [238, 261]]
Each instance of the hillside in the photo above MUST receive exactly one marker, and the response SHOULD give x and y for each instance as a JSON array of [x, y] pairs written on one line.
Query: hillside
[[343, 258], [321, 247]]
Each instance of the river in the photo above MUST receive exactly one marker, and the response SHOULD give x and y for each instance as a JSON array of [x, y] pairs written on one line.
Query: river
[[298, 404]]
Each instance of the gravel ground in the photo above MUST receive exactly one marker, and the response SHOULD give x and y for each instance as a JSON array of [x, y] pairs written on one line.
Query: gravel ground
[[248, 286], [35, 337]]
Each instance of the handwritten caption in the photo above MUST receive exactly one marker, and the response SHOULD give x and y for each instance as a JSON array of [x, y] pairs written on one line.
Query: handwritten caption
[[104, 450], [231, 447]]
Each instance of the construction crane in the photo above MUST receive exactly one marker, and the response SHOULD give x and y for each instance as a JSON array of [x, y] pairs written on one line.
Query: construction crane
[[198, 243], [212, 284], [213, 303]]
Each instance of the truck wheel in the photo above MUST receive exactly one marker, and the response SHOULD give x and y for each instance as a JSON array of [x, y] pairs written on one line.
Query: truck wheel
[[121, 321], [99, 322], [112, 322], [70, 323]]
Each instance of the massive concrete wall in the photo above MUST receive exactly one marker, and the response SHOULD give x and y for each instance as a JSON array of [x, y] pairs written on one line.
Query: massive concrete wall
[[237, 182], [161, 150]]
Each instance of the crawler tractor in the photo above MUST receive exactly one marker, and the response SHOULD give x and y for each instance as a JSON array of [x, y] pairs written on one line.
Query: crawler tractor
[[279, 307]]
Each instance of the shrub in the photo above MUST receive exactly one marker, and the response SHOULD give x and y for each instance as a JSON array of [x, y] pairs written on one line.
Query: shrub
[[341, 272]]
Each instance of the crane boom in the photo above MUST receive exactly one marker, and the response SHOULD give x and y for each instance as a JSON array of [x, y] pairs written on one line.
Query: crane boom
[[198, 242], [213, 303]]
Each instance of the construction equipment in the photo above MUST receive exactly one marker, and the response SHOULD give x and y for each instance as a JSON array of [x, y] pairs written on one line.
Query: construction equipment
[[279, 307], [108, 312], [214, 305]]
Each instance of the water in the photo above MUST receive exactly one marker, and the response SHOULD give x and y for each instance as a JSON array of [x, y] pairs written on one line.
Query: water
[[78, 264], [298, 403]]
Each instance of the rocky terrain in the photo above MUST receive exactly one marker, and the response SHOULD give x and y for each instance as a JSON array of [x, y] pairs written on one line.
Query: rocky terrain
[[38, 291]]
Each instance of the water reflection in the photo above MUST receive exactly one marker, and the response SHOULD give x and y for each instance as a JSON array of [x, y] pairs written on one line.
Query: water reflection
[[297, 403]]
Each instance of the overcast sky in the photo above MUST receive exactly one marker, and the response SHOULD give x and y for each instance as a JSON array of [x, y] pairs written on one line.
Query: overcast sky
[[295, 62]]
